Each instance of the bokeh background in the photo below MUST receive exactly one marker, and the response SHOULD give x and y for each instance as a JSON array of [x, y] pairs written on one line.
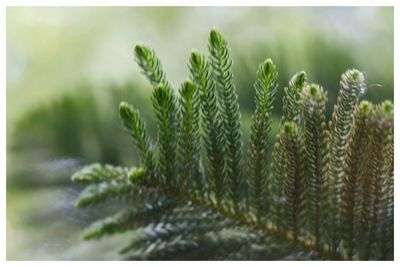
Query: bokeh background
[[68, 68]]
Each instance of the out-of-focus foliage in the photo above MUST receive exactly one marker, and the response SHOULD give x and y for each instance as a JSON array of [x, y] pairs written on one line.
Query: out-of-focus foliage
[[77, 129], [53, 49], [67, 68]]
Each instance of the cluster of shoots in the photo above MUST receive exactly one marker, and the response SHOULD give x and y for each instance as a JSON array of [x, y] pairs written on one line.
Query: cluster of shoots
[[326, 184]]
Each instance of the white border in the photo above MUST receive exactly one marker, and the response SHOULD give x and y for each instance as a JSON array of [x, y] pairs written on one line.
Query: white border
[[6, 3]]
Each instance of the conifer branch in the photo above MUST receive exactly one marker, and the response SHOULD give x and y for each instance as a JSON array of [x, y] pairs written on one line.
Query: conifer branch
[[223, 77], [178, 216], [265, 87], [291, 112], [181, 221], [314, 100], [271, 228], [100, 192], [189, 137], [277, 176], [164, 105], [293, 183], [125, 220], [355, 166], [134, 124], [96, 173], [151, 65], [387, 242], [352, 86], [211, 123], [292, 97], [381, 136]]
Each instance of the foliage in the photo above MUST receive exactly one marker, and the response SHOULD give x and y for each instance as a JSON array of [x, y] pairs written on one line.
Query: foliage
[[313, 107], [211, 124], [327, 193], [352, 85], [266, 87], [229, 109]]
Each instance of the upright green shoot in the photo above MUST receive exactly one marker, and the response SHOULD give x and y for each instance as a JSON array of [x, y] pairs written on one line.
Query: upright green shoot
[[265, 87], [313, 108], [223, 77]]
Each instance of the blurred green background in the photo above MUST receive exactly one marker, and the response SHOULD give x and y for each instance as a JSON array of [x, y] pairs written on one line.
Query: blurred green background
[[68, 68]]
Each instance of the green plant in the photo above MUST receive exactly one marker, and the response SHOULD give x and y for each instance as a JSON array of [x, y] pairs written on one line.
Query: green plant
[[325, 193]]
